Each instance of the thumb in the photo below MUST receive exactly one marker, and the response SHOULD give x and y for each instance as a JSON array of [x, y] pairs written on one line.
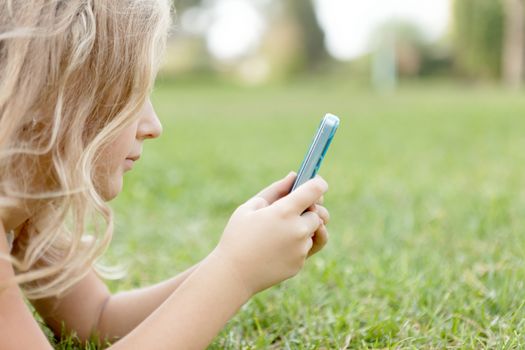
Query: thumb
[[278, 189]]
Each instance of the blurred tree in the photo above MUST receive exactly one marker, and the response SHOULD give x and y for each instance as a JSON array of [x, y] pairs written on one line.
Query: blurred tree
[[293, 42], [282, 47], [513, 43], [311, 35], [186, 51], [478, 36], [181, 5]]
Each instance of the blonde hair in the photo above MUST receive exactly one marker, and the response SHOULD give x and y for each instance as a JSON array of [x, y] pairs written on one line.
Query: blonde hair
[[73, 75]]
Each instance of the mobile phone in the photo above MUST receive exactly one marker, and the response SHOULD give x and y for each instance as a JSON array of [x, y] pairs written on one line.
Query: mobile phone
[[317, 150]]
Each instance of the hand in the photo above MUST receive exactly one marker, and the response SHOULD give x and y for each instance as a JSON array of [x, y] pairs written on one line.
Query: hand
[[268, 238], [320, 237]]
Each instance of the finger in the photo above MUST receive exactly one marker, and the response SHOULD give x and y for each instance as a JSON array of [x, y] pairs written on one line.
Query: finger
[[319, 240], [320, 201], [309, 222], [278, 189], [308, 246], [312, 208], [254, 203], [323, 213], [304, 196]]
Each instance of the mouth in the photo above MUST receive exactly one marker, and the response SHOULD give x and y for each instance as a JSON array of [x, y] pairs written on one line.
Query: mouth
[[128, 163], [134, 158]]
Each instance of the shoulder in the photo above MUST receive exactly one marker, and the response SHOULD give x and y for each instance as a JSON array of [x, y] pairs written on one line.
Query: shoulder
[[20, 330]]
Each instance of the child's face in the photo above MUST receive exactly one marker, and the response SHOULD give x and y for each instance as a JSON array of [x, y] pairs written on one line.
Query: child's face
[[120, 155]]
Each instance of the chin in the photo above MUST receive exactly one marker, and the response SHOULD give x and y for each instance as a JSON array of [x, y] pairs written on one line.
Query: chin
[[112, 189]]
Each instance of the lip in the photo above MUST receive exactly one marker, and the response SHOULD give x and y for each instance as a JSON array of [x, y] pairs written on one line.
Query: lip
[[128, 164]]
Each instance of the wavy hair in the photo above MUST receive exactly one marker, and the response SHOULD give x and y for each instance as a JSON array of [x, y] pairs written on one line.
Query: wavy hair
[[73, 75]]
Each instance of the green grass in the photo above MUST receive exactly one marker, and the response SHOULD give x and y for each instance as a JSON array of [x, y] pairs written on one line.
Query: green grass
[[427, 199]]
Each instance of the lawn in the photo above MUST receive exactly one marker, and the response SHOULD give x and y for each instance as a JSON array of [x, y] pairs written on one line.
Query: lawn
[[427, 199]]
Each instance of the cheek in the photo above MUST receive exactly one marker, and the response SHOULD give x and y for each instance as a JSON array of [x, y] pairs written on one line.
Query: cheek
[[111, 157], [124, 143], [117, 151], [110, 165]]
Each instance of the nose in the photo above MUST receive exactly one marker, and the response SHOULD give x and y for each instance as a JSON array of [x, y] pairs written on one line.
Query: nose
[[149, 126]]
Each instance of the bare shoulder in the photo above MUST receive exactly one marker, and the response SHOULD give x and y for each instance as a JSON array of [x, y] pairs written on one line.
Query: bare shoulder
[[18, 328]]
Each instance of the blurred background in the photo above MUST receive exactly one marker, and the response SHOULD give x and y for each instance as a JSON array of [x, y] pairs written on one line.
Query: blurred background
[[376, 41], [426, 172]]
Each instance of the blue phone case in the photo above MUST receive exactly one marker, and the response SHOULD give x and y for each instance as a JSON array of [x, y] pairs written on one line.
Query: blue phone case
[[318, 148]]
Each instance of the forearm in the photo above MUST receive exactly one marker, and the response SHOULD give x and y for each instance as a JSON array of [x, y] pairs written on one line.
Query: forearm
[[124, 311], [193, 315]]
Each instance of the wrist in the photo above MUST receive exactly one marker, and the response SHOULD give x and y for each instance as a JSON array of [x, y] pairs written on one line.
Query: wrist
[[221, 261]]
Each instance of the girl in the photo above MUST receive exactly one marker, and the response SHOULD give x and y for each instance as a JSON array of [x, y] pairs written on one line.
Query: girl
[[75, 76]]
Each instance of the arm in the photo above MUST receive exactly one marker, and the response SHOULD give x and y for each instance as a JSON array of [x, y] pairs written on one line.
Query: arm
[[266, 241], [183, 320], [110, 316], [118, 319], [195, 313]]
